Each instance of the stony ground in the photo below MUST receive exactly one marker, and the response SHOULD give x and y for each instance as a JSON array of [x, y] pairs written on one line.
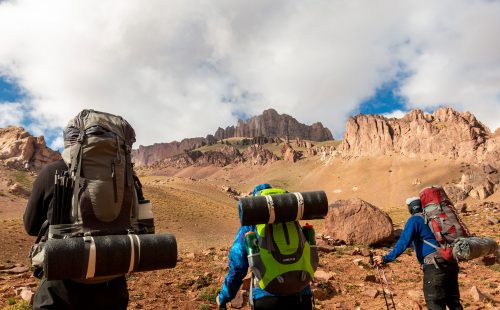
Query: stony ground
[[204, 219]]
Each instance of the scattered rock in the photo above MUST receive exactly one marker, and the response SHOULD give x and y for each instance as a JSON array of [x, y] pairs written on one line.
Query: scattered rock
[[239, 301], [16, 270], [27, 295], [246, 282], [370, 292], [326, 248], [492, 221], [489, 169], [455, 193], [291, 155], [462, 206], [482, 191], [414, 305], [477, 295], [321, 275], [18, 189], [349, 220], [190, 255], [370, 278], [416, 295]]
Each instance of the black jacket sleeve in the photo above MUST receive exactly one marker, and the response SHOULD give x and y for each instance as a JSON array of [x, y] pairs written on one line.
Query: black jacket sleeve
[[37, 210]]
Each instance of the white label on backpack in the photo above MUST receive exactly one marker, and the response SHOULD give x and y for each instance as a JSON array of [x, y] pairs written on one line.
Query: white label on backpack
[[270, 206], [132, 252], [92, 258], [300, 206], [138, 256]]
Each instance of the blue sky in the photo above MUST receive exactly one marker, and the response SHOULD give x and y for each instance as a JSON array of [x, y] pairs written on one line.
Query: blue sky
[[9, 92], [175, 69]]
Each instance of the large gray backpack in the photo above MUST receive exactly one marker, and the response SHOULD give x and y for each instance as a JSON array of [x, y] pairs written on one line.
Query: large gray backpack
[[97, 151]]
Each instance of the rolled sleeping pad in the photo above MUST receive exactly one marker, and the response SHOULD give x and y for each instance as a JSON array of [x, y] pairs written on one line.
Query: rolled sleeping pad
[[282, 208], [99, 256], [474, 247]]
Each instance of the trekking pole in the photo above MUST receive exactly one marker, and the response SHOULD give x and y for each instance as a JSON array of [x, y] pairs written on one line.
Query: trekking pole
[[390, 291], [380, 279]]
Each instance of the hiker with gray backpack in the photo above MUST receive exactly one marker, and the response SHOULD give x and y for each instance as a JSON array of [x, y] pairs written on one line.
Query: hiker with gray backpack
[[281, 254], [92, 221], [440, 240]]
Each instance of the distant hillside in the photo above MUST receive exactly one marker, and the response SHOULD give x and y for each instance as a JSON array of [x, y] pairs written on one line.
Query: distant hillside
[[273, 125]]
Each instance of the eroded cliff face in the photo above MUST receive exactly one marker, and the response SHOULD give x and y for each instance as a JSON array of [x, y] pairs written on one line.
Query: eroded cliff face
[[20, 150], [147, 155], [272, 124], [444, 133]]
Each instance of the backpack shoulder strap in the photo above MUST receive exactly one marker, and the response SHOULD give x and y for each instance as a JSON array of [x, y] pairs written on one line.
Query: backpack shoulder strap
[[43, 231], [430, 244]]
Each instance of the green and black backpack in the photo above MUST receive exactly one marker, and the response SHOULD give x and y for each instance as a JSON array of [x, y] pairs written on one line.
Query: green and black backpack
[[286, 261]]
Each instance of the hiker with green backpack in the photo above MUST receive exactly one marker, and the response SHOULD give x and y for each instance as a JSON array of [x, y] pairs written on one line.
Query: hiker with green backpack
[[281, 254], [440, 282]]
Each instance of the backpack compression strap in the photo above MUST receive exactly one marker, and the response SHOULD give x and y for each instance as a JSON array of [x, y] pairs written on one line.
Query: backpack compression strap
[[76, 166]]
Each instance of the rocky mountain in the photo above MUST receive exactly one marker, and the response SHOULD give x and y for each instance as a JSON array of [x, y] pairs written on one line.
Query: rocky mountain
[[147, 155], [227, 155], [444, 133], [272, 124], [20, 150]]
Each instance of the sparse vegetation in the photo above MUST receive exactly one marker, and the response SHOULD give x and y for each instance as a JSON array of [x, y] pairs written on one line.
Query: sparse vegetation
[[204, 307], [208, 294], [23, 178], [18, 305]]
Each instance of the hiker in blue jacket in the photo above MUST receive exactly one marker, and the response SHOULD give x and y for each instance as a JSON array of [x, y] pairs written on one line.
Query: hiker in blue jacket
[[238, 268], [440, 276]]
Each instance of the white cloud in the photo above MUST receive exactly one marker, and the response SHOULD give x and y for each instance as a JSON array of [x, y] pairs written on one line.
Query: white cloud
[[179, 69], [10, 114], [395, 114]]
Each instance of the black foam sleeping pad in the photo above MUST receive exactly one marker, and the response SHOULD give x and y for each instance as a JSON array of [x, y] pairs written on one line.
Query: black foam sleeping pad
[[255, 210], [68, 258]]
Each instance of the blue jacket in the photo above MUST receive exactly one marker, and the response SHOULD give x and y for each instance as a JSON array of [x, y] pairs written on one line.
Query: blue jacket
[[238, 268], [414, 232]]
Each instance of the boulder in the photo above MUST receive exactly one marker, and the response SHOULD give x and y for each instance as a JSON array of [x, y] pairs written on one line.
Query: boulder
[[416, 295], [257, 155], [482, 191], [455, 193], [477, 295], [27, 294], [321, 275], [370, 292], [355, 221], [239, 301], [18, 189], [291, 155], [489, 169]]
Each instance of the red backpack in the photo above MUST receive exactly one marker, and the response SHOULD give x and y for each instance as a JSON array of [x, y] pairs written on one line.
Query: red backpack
[[442, 218]]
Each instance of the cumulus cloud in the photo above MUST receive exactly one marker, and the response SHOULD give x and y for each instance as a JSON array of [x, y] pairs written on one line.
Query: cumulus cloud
[[395, 114], [179, 69], [10, 114]]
